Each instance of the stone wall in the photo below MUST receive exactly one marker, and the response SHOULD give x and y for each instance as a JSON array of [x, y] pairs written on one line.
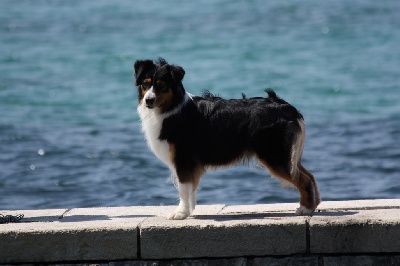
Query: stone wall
[[341, 232]]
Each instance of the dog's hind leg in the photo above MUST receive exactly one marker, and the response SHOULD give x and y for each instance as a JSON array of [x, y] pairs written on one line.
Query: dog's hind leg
[[286, 164], [304, 171], [309, 195], [301, 178]]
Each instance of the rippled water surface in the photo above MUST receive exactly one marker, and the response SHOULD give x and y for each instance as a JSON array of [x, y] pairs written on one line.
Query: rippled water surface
[[69, 130]]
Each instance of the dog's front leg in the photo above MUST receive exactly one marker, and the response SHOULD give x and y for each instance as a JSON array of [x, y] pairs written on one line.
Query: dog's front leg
[[186, 197]]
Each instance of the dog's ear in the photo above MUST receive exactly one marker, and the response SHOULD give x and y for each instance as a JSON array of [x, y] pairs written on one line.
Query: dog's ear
[[177, 73], [141, 68]]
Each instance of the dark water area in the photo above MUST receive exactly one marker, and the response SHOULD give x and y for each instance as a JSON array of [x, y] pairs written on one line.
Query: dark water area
[[70, 134]]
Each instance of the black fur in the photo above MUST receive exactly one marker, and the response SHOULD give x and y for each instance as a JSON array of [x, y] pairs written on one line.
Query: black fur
[[211, 131]]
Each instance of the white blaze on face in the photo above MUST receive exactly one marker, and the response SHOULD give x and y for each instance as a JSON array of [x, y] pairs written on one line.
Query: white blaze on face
[[149, 94]]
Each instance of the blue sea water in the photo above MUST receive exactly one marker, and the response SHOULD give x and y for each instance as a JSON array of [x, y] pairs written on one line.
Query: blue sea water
[[70, 134]]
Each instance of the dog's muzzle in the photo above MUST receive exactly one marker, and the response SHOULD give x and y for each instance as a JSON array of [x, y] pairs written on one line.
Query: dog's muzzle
[[150, 102], [150, 98]]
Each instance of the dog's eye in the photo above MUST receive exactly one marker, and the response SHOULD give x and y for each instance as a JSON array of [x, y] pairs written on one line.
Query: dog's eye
[[146, 83], [161, 86]]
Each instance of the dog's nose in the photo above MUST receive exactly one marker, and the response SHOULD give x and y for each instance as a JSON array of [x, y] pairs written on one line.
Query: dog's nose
[[150, 102]]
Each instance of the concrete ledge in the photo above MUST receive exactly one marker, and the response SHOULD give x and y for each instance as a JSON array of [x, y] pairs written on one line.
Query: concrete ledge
[[367, 227], [355, 230]]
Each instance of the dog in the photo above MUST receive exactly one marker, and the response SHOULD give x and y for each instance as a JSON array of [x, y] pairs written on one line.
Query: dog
[[191, 134]]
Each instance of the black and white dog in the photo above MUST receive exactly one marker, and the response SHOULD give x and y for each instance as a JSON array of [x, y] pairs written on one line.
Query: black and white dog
[[191, 134]]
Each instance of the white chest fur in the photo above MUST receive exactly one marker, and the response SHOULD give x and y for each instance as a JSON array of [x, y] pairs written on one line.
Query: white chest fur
[[151, 127], [152, 121]]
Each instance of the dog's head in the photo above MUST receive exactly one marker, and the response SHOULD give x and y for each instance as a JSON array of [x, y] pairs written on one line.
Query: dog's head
[[159, 84]]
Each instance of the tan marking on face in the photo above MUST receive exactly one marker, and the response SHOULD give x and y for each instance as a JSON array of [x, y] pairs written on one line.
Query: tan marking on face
[[164, 100], [160, 83], [147, 82], [143, 88]]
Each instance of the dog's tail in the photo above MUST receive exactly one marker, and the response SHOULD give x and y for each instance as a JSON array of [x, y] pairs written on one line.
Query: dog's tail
[[275, 98], [271, 94]]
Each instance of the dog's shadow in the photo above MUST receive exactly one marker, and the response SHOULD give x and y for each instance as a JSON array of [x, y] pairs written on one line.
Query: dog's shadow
[[80, 218], [214, 217], [270, 215]]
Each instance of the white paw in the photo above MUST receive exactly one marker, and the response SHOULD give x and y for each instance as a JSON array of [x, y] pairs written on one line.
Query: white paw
[[303, 211], [178, 215]]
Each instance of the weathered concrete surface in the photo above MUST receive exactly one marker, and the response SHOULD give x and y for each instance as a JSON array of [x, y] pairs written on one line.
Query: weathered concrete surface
[[83, 234], [354, 231], [233, 231], [214, 234], [56, 239], [67, 242], [77, 234], [362, 226], [30, 216], [360, 204], [360, 260]]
